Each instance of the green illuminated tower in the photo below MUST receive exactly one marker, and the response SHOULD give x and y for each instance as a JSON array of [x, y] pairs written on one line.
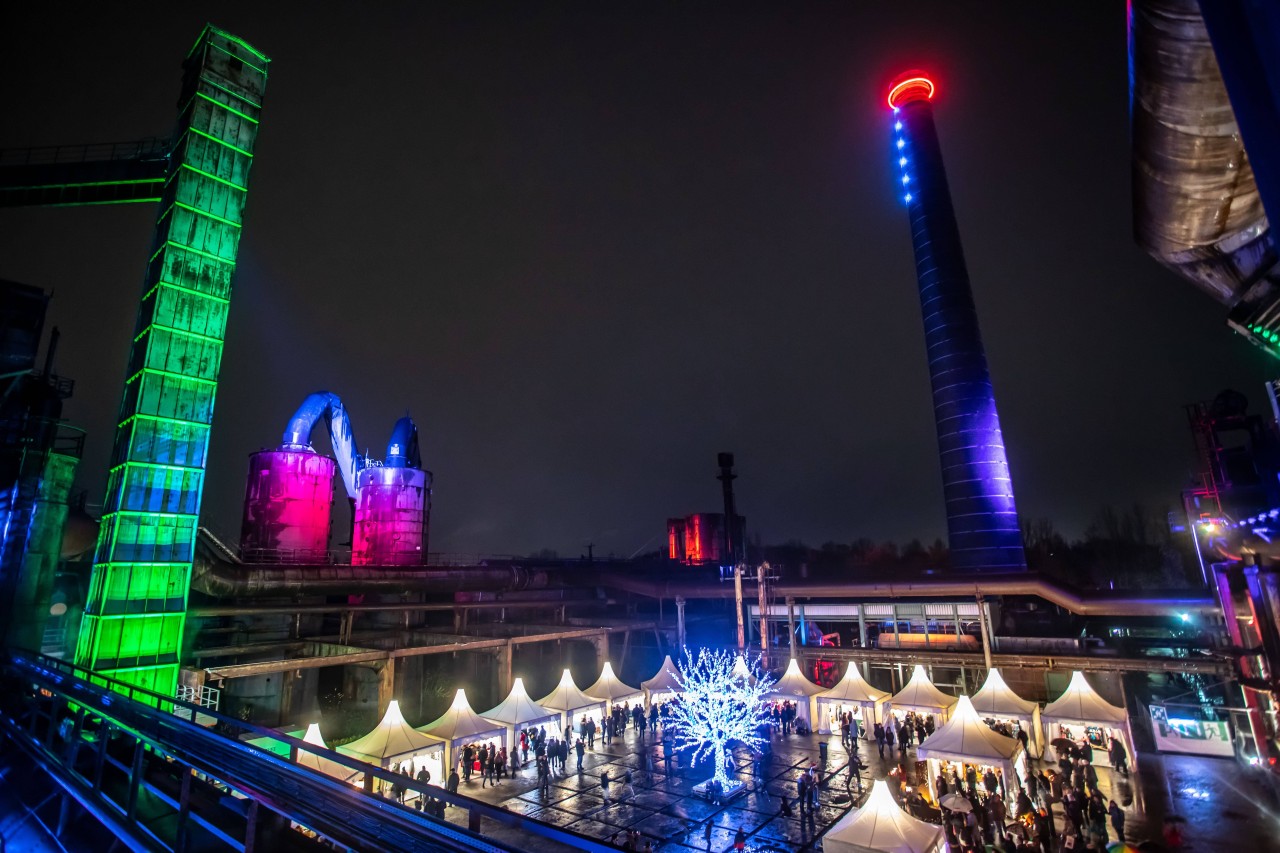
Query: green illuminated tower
[[133, 623]]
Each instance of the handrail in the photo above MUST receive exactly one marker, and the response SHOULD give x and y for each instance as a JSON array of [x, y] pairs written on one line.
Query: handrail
[[328, 806], [151, 148]]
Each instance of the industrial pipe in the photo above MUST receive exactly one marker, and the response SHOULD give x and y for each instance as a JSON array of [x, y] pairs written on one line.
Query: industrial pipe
[[1083, 604], [327, 405], [213, 574]]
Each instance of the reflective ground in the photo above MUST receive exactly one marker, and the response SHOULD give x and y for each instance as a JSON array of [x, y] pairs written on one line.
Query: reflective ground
[[1221, 807]]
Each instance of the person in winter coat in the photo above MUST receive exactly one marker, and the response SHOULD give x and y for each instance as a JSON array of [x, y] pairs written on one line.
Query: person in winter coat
[[452, 785], [879, 734], [1117, 819]]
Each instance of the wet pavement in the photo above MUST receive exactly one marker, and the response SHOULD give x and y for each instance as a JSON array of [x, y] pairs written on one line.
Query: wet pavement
[[1213, 796]]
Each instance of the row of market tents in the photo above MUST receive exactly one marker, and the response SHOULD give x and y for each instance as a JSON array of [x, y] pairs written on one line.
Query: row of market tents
[[963, 735]]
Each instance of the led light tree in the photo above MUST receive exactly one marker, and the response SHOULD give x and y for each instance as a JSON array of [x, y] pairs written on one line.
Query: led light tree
[[717, 708]]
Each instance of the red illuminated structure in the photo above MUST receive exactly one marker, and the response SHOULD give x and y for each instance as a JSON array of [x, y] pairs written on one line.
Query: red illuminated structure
[[698, 539], [916, 87]]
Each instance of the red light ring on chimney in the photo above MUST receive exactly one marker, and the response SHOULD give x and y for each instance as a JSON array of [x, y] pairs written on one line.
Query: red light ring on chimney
[[914, 88]]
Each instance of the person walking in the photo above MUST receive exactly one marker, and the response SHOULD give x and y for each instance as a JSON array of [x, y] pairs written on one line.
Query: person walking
[[580, 749], [802, 793], [739, 839], [604, 786], [706, 832], [879, 734], [452, 785], [1117, 819]]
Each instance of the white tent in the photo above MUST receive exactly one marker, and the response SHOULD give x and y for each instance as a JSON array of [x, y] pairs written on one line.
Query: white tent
[[1080, 709], [741, 671], [572, 703], [319, 763], [882, 826], [851, 693], [920, 695], [518, 712], [611, 689], [793, 686], [394, 742], [966, 739], [460, 725], [664, 683], [997, 701]]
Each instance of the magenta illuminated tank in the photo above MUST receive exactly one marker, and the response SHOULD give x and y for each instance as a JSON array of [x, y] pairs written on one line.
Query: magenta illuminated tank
[[393, 503], [288, 505]]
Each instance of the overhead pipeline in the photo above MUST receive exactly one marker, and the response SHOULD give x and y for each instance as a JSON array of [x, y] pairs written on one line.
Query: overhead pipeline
[[1078, 602], [216, 572]]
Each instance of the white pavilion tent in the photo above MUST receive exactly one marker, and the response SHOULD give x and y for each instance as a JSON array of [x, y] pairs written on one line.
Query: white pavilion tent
[[320, 763], [612, 690], [664, 684], [997, 701], [881, 826], [518, 712], [394, 742], [920, 695], [459, 726], [966, 739], [572, 704], [741, 671], [793, 686], [851, 693], [1081, 712]]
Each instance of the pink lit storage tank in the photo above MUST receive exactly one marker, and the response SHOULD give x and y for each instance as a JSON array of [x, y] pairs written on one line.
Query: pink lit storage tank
[[288, 504], [393, 505]]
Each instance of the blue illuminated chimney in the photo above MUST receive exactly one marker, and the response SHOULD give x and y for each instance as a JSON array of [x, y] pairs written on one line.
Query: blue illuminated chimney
[[982, 519]]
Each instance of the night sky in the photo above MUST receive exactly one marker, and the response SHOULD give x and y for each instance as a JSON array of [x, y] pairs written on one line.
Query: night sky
[[589, 245]]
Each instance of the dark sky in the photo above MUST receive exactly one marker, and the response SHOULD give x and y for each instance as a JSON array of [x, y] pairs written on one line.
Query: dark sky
[[589, 245]]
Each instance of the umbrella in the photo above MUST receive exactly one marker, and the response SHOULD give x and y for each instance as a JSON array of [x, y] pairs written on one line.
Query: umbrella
[[956, 803], [1062, 744]]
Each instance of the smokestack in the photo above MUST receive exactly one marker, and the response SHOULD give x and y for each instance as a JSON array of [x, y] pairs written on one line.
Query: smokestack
[[982, 519], [726, 479]]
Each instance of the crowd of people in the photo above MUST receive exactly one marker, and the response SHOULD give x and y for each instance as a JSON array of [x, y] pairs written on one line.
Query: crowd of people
[[910, 729], [784, 718]]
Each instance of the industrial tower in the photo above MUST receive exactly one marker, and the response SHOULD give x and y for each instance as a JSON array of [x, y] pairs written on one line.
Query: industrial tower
[[982, 519], [133, 624]]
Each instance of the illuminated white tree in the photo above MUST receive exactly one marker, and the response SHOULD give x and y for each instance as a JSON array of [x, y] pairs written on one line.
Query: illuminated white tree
[[717, 708]]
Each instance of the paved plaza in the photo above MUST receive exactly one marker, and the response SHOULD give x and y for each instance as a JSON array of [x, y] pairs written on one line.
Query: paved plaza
[[1207, 792]]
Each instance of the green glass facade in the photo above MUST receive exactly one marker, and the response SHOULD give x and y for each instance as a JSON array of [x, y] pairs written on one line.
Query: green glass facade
[[133, 624]]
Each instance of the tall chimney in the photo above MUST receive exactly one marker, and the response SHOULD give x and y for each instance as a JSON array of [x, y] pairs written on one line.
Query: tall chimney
[[982, 519]]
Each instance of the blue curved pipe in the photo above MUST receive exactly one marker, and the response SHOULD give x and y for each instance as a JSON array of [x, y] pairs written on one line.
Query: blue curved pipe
[[402, 449], [327, 405]]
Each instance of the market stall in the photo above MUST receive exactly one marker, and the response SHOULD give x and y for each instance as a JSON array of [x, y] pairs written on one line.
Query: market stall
[[664, 685], [461, 726], [741, 670], [612, 690], [518, 712], [1081, 714], [997, 703], [967, 749], [573, 705], [881, 825], [320, 763], [794, 687], [395, 743], [851, 694], [921, 696]]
